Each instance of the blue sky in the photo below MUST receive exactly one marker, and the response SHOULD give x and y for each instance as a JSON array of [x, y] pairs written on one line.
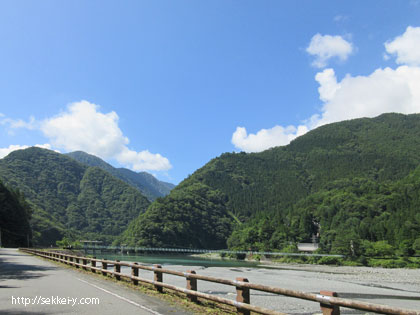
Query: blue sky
[[165, 86]]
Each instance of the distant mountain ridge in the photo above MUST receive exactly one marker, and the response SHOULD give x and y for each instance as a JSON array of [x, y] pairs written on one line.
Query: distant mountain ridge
[[270, 199], [69, 198], [151, 187]]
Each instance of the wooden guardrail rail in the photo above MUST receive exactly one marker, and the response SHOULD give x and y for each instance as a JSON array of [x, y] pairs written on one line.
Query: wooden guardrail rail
[[330, 303]]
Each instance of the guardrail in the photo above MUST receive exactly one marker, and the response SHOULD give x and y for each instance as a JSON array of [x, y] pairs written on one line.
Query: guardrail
[[329, 301]]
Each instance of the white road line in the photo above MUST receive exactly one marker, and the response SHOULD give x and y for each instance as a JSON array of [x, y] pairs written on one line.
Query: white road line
[[122, 298]]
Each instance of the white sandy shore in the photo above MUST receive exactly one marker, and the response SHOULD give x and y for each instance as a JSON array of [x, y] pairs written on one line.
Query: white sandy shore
[[396, 287]]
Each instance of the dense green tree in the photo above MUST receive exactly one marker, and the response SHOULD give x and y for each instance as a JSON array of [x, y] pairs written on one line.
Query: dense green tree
[[346, 182], [70, 199], [148, 185], [195, 218], [15, 214]]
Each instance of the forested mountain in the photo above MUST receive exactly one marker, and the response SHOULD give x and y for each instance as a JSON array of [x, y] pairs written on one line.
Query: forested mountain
[[325, 181], [143, 181], [69, 198], [15, 214]]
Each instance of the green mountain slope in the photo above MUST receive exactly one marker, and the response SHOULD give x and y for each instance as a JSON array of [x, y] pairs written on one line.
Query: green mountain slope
[[194, 217], [262, 189], [15, 213], [145, 182], [70, 198]]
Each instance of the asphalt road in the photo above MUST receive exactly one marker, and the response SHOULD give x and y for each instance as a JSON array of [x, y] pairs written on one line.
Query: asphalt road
[[30, 285]]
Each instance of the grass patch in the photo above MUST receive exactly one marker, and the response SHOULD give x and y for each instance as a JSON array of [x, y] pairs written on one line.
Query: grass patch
[[402, 262], [399, 262]]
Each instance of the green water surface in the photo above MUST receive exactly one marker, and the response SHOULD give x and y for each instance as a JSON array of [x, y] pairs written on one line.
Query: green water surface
[[183, 260]]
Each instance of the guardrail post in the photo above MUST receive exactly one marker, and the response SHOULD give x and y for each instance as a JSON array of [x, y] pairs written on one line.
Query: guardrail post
[[77, 261], [117, 269], [93, 264], [104, 267], [242, 296], [158, 278], [84, 261], [328, 309], [135, 273], [192, 285]]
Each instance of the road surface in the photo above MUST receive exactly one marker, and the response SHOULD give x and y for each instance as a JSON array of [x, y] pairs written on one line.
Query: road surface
[[30, 285]]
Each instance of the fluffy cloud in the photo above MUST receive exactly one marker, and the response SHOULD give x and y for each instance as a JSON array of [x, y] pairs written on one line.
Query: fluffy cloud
[[266, 138], [384, 90], [83, 127], [406, 47], [11, 148], [13, 124], [325, 47], [143, 160]]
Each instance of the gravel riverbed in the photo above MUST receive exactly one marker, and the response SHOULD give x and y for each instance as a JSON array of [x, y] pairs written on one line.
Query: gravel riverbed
[[394, 287]]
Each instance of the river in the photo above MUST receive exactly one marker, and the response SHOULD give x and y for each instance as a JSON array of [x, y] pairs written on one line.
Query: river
[[182, 260], [395, 287]]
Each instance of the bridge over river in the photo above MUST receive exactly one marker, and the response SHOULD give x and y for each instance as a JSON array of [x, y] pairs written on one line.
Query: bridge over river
[[92, 247]]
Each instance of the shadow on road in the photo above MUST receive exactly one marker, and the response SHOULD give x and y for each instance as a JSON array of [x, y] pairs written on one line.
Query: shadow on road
[[12, 312], [11, 268]]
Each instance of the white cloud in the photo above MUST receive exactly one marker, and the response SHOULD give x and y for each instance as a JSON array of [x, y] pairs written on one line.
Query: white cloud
[[13, 147], [18, 123], [266, 138], [406, 47], [328, 84], [384, 90], [341, 18], [83, 127], [325, 47], [143, 160]]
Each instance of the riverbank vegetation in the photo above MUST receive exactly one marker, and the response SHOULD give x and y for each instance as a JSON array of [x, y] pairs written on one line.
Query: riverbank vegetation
[[388, 262], [353, 185]]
